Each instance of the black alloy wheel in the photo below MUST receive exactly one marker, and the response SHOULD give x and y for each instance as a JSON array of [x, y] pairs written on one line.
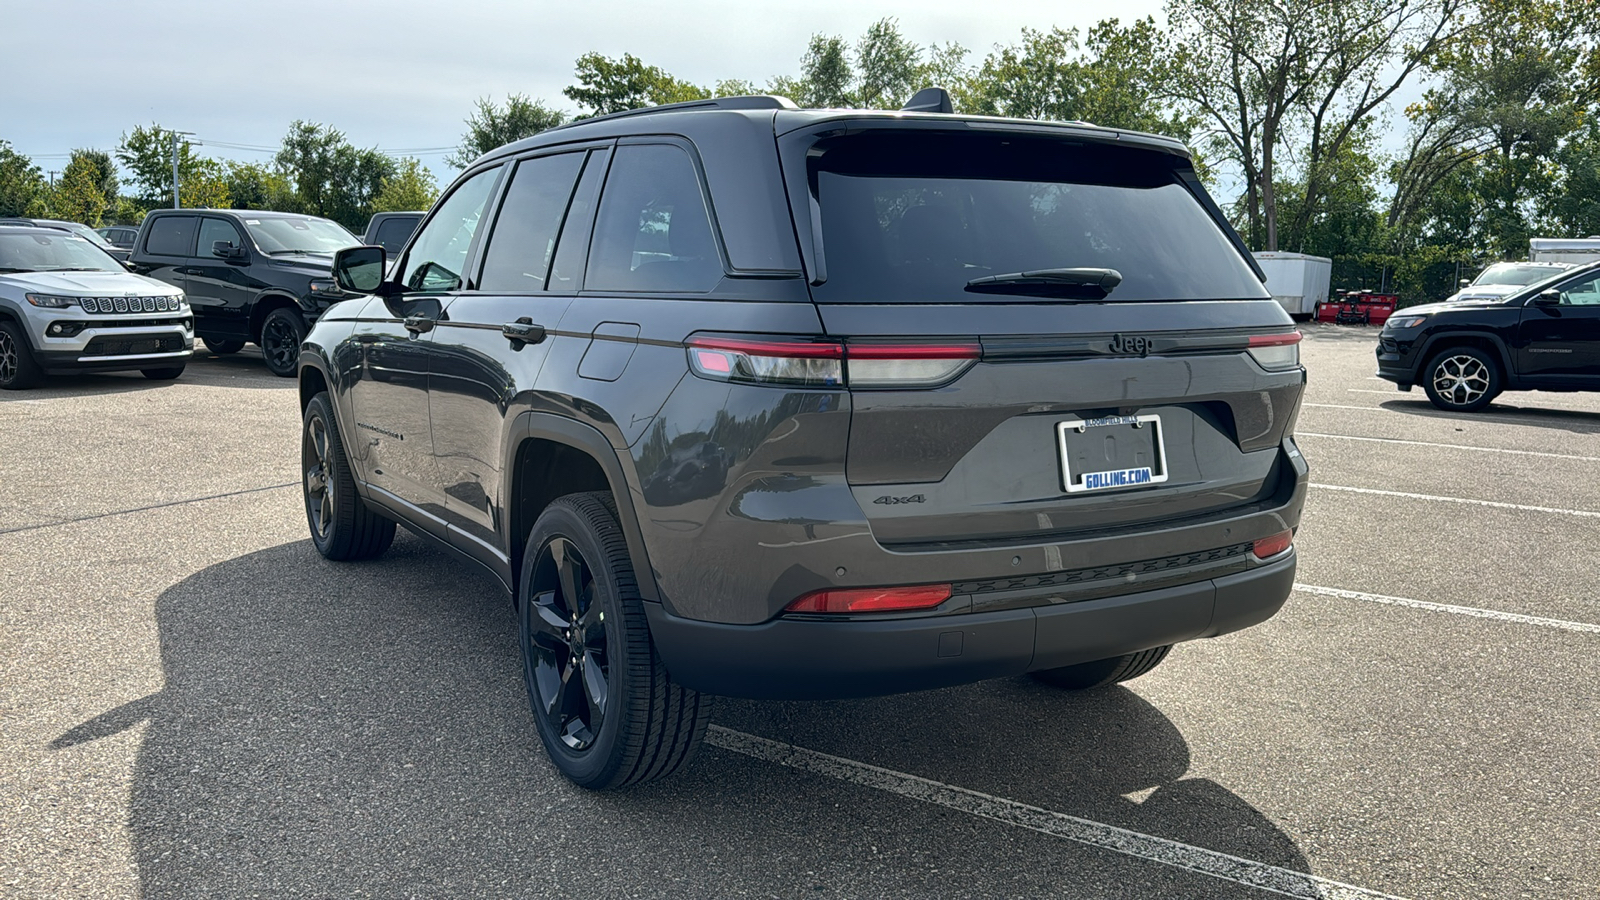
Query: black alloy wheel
[[606, 711], [342, 526], [223, 348], [281, 336], [569, 665], [18, 371]]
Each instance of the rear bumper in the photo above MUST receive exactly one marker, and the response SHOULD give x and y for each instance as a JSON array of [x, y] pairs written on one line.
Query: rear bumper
[[793, 658]]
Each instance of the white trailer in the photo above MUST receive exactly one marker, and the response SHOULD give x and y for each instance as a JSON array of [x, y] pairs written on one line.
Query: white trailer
[[1567, 250], [1297, 281]]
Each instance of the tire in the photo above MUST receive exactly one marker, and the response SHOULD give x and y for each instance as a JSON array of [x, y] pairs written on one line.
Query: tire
[[18, 369], [342, 526], [1102, 672], [223, 348], [281, 334], [162, 374], [1462, 379], [605, 709]]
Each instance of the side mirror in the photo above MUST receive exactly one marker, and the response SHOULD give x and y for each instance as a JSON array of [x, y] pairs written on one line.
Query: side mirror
[[1466, 281], [359, 269], [1551, 297], [227, 250]]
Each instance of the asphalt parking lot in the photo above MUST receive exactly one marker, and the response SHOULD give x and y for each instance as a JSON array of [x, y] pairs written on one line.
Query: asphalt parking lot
[[193, 703]]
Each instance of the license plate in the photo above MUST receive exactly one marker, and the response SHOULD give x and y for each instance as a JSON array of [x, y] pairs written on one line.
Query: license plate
[[1113, 452]]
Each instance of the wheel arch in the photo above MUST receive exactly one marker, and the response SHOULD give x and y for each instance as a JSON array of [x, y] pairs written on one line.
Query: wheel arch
[[549, 456], [1476, 339], [264, 305]]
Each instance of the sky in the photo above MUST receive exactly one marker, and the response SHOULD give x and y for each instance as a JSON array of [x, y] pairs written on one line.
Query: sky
[[402, 75]]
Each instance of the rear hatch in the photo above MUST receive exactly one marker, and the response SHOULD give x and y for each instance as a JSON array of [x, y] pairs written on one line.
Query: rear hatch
[[1046, 336]]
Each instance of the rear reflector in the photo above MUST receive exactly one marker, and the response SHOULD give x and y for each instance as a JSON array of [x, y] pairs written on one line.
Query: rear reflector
[[1271, 546], [1276, 351], [890, 599]]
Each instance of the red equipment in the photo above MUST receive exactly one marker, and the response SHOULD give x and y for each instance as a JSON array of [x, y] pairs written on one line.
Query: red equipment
[[1358, 308]]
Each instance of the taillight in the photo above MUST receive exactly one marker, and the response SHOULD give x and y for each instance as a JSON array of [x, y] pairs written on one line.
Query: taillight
[[768, 362], [857, 600], [831, 364], [1276, 351], [1269, 547], [908, 365]]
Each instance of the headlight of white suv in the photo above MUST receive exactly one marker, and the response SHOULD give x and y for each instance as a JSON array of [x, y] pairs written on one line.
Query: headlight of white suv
[[52, 301]]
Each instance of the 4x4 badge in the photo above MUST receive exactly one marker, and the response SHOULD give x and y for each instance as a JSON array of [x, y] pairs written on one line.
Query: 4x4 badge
[[1131, 344]]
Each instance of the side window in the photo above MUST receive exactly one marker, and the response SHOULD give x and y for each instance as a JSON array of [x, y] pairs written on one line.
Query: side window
[[213, 230], [572, 248], [1582, 293], [439, 253], [653, 232], [524, 235], [171, 236], [392, 233]]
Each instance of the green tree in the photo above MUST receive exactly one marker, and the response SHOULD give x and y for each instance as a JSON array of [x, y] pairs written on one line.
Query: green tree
[[22, 185], [1523, 80], [255, 186], [607, 85], [1036, 78], [411, 187], [78, 196], [1572, 208], [331, 177], [146, 153], [491, 126], [888, 67], [205, 186], [105, 173], [825, 74]]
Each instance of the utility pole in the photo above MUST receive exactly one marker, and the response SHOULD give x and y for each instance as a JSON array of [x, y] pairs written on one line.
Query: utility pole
[[53, 177], [175, 136]]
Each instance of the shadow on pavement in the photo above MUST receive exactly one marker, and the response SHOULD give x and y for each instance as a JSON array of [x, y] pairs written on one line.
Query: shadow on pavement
[[1575, 421], [343, 730]]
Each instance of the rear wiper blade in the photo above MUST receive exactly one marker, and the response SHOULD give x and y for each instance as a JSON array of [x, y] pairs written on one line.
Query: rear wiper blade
[[1085, 283]]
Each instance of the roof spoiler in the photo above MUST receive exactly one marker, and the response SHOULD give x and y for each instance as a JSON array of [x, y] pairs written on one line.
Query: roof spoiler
[[931, 100]]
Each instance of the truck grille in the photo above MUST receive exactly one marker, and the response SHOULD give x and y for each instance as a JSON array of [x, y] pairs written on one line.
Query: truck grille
[[134, 345], [103, 305], [1100, 573]]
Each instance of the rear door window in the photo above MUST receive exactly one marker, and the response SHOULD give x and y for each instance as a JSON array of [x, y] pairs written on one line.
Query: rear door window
[[653, 231], [525, 228], [171, 236], [913, 218], [392, 233]]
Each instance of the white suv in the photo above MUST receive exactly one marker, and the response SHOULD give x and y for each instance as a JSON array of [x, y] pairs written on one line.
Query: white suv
[[66, 306]]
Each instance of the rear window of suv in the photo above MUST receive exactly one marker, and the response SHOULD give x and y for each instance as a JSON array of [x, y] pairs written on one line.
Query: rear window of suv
[[913, 217]]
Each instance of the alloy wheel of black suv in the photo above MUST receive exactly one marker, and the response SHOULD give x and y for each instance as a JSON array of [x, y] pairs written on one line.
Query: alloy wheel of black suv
[[342, 527], [606, 711], [1462, 379], [735, 398]]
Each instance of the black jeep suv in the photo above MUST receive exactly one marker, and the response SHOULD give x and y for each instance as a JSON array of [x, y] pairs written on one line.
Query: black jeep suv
[[251, 277], [1544, 337], [736, 398]]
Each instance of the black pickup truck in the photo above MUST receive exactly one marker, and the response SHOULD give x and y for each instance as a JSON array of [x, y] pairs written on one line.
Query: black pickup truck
[[251, 277]]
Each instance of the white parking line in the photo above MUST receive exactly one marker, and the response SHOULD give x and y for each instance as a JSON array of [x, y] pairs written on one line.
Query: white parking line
[[1351, 437], [1494, 614], [1582, 513], [1084, 831]]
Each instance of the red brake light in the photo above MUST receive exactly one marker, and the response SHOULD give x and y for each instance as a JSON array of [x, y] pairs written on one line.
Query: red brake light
[[801, 363], [1271, 546], [857, 600], [1275, 340]]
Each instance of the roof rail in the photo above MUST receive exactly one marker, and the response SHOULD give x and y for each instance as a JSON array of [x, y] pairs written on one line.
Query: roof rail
[[754, 101]]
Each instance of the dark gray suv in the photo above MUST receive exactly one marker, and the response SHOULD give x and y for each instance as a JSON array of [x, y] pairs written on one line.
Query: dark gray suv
[[737, 398]]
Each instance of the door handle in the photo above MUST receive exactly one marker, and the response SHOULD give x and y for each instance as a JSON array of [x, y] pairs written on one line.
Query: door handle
[[419, 324], [522, 332]]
